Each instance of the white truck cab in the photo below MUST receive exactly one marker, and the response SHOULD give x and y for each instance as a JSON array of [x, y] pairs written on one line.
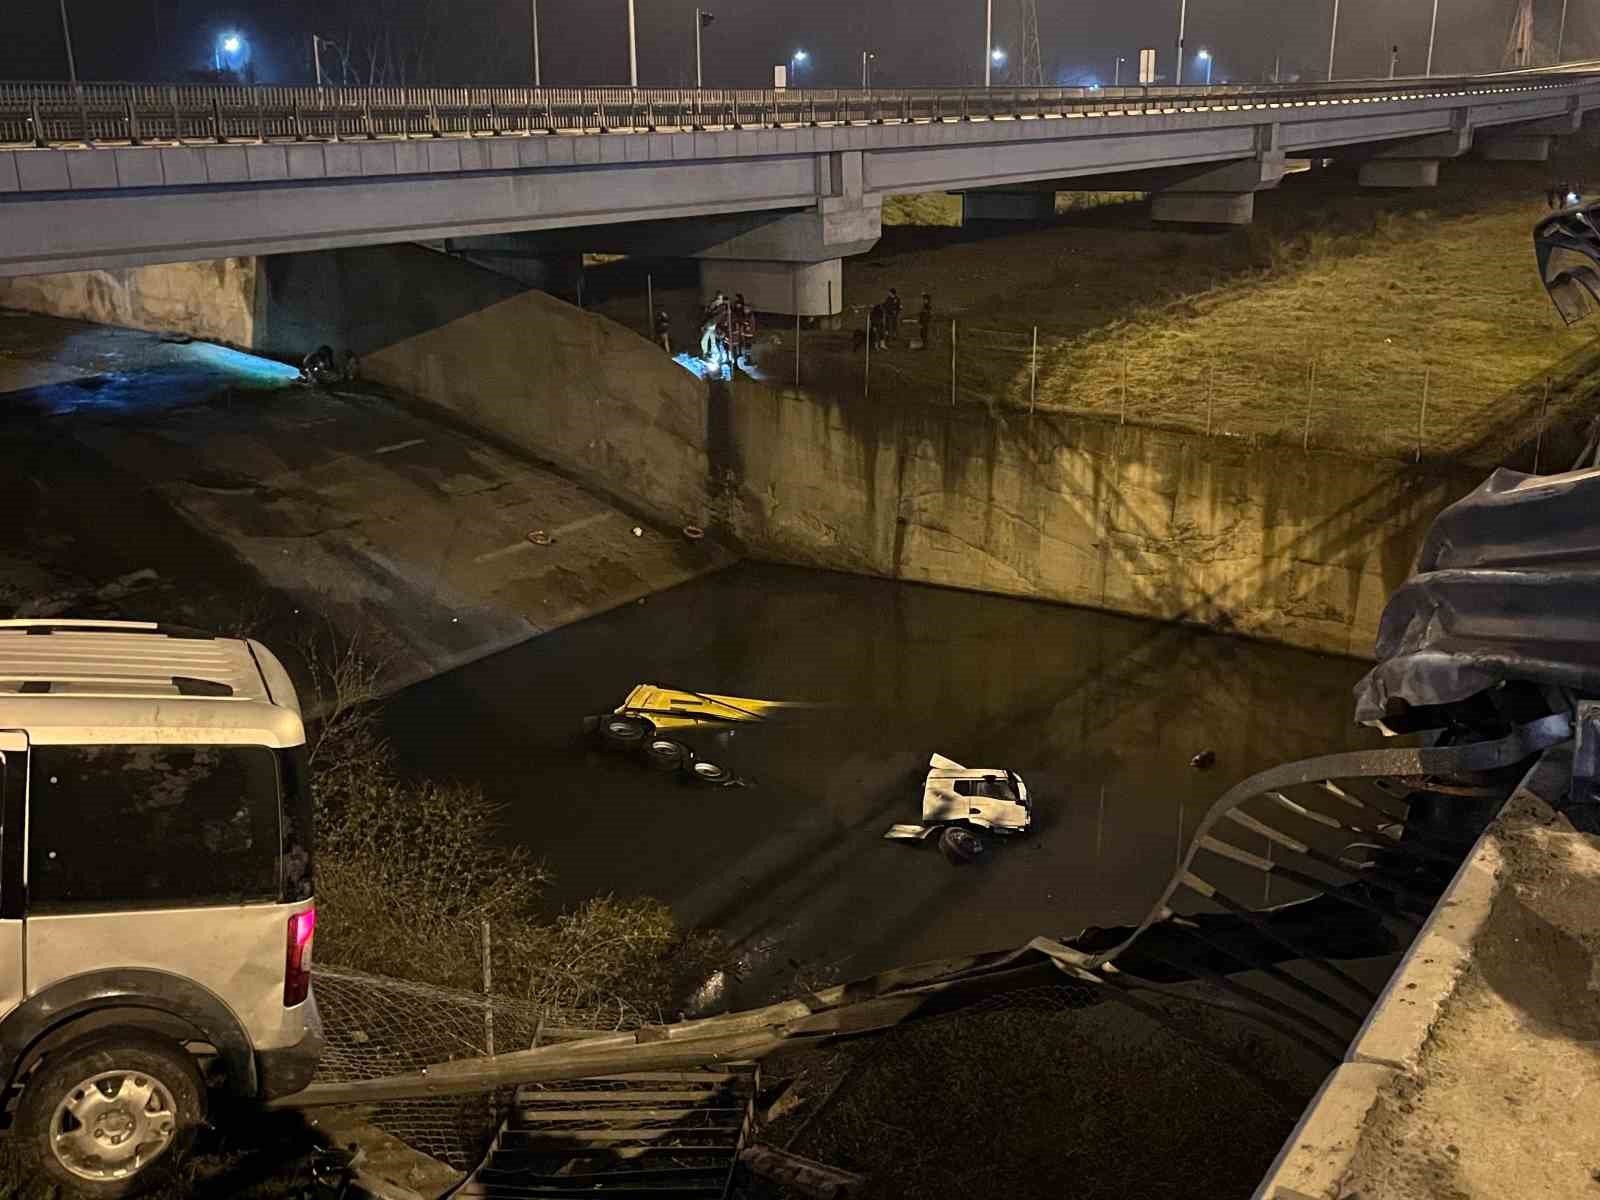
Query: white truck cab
[[156, 912]]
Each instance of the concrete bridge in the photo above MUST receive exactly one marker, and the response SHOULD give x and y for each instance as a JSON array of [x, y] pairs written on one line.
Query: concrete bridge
[[769, 189]]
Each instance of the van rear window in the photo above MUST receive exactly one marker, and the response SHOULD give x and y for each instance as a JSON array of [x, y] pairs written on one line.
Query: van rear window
[[152, 826]]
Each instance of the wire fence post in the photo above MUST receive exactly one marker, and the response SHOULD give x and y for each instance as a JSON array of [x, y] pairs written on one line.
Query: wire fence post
[[1033, 376], [866, 375], [1422, 417], [1311, 398], [952, 362], [1211, 392], [1124, 419], [1544, 417], [488, 987], [650, 302], [795, 280]]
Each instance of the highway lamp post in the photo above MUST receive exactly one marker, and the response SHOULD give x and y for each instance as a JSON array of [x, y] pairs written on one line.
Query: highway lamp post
[[868, 57], [1333, 39], [701, 20], [1116, 73], [988, 43], [1561, 37], [1183, 24], [1394, 60], [633, 50], [66, 36], [533, 31], [1433, 31]]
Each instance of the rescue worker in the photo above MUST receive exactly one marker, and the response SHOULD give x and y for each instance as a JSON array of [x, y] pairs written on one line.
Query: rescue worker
[[708, 338], [664, 330], [925, 319], [892, 308], [875, 327]]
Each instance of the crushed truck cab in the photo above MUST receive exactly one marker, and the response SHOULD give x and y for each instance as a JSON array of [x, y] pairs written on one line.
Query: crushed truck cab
[[992, 799]]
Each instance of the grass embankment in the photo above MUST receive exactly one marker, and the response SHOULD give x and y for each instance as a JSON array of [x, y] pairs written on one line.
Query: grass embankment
[[1341, 299]]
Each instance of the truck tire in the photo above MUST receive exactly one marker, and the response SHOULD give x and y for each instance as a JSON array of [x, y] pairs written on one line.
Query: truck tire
[[624, 733], [664, 754], [708, 774], [111, 1115]]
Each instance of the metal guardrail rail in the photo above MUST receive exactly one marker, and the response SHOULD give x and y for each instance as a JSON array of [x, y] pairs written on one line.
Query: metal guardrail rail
[[96, 114]]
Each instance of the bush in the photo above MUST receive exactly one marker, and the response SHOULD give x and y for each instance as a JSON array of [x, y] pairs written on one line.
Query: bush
[[409, 870]]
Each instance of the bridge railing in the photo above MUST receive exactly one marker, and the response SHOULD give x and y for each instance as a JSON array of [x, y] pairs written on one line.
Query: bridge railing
[[56, 114]]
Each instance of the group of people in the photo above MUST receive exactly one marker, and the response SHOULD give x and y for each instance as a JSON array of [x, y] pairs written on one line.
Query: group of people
[[884, 321]]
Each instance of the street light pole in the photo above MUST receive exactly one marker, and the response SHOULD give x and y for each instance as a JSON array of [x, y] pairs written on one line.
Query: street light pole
[[1183, 23], [66, 35], [988, 43], [1116, 75], [1433, 31], [316, 57], [633, 50], [698, 24], [533, 25], [1333, 39], [1561, 38]]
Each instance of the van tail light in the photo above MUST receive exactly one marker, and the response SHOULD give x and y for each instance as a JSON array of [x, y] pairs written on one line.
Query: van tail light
[[297, 961]]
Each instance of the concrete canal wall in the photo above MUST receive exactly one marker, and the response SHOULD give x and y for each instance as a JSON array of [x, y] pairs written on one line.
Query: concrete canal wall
[[1269, 540], [1302, 548]]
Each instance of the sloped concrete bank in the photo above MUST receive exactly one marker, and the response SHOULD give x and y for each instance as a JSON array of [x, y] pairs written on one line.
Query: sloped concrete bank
[[1467, 1081]]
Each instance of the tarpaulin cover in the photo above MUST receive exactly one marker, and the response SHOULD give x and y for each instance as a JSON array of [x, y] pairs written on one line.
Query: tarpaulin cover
[[1507, 588]]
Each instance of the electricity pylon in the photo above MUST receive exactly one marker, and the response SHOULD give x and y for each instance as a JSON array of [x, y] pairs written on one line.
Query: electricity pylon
[[1032, 57], [1519, 45]]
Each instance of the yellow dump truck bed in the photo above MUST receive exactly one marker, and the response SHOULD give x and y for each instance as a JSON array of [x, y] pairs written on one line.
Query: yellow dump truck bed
[[668, 708]]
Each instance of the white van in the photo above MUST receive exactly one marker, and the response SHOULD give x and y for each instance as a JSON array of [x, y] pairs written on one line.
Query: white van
[[156, 910]]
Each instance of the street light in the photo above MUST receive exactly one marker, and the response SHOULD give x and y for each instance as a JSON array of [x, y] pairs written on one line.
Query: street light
[[797, 62], [229, 46], [988, 43], [1433, 31], [1117, 73], [1205, 57], [1333, 39], [701, 20], [66, 36], [868, 57]]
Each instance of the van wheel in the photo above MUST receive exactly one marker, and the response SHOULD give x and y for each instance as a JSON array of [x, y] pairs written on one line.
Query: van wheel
[[664, 754], [624, 733], [111, 1115]]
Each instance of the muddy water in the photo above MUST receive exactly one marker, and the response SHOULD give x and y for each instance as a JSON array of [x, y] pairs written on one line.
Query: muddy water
[[1100, 714]]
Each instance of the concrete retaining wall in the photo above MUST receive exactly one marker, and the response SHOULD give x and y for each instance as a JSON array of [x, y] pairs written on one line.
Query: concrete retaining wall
[[1300, 548], [214, 301]]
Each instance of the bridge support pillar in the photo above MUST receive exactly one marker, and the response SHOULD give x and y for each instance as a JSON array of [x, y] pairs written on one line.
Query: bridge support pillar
[[1400, 173], [1414, 163], [805, 289], [1224, 195], [1517, 147], [1007, 206]]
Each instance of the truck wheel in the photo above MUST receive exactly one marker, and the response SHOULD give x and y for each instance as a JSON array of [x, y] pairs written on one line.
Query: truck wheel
[[709, 774], [111, 1115], [624, 733], [664, 754]]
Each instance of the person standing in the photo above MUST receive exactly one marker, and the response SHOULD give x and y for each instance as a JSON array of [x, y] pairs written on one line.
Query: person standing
[[892, 308], [875, 327], [663, 330]]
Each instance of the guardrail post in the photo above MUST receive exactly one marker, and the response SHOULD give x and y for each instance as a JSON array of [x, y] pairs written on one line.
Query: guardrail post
[[813, 112], [966, 113], [133, 124], [299, 123], [261, 117], [366, 119], [216, 118], [177, 115], [600, 116], [38, 123], [433, 120], [549, 116]]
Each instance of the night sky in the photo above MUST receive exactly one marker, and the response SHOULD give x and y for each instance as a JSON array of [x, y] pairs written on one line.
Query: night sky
[[917, 41]]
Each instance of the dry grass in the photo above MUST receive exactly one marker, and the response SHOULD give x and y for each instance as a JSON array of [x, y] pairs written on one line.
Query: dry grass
[[1348, 331], [943, 210], [1377, 293]]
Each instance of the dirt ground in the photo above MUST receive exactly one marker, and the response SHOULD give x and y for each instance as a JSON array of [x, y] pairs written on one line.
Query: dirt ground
[[1501, 1105]]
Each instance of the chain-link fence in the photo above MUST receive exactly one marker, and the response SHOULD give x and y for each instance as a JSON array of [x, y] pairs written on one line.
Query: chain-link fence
[[1377, 401], [376, 1026]]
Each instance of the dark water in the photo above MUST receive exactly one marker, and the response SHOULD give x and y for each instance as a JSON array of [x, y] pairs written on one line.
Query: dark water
[[1100, 714]]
